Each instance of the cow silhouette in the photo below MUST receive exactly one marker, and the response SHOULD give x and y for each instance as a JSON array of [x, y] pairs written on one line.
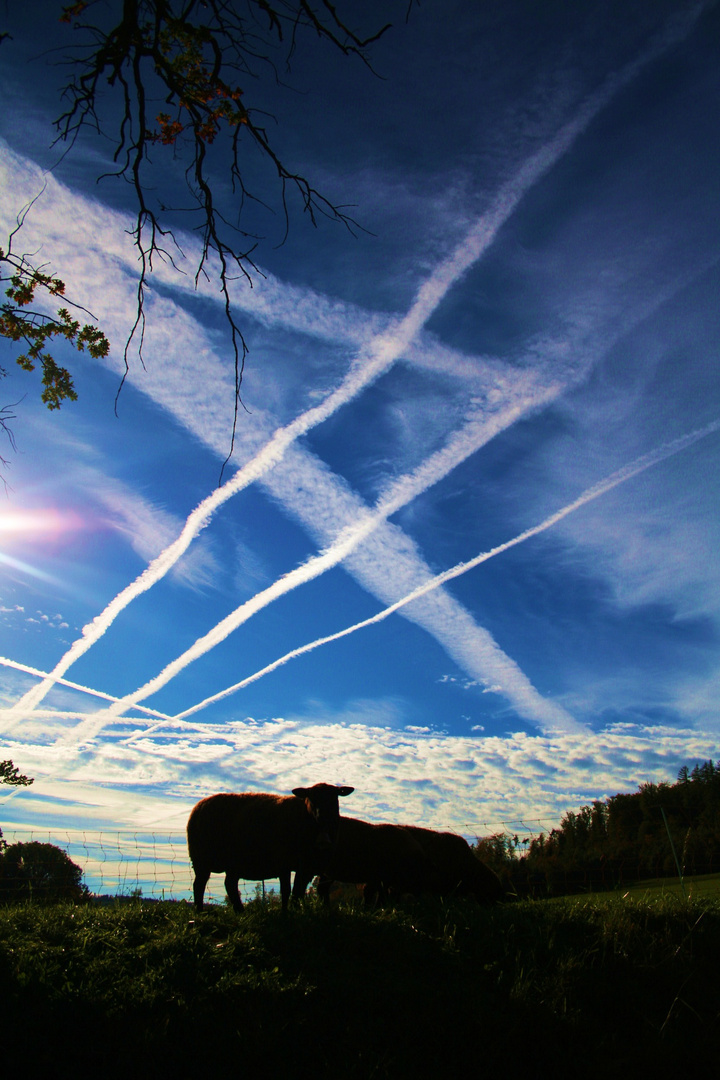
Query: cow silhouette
[[257, 836], [381, 857], [456, 870], [392, 860]]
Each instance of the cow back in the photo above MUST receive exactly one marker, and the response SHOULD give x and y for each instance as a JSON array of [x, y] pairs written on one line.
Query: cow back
[[370, 853], [257, 833]]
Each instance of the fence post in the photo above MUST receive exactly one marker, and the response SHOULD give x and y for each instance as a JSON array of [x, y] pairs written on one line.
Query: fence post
[[677, 861]]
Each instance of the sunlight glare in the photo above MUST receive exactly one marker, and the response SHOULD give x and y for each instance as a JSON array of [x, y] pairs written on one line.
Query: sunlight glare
[[41, 522]]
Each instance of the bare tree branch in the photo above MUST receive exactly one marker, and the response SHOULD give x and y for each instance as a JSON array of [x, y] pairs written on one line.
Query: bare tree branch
[[192, 55]]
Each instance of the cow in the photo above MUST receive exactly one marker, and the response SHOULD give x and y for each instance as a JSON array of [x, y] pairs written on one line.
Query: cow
[[381, 857], [456, 871], [398, 859], [258, 836]]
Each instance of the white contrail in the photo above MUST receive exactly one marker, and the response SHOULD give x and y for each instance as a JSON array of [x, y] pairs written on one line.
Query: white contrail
[[383, 350], [654, 457], [348, 540], [459, 448], [10, 713], [60, 714]]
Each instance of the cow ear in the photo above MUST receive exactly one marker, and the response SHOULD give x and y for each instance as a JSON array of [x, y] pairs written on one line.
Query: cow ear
[[345, 790], [301, 792]]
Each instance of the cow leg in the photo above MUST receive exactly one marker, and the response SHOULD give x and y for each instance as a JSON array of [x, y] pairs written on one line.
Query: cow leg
[[231, 888], [323, 889], [374, 894], [300, 884], [284, 888], [201, 879]]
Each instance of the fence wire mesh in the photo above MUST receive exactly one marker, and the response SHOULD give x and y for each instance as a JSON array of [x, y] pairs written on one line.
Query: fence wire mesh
[[156, 866]]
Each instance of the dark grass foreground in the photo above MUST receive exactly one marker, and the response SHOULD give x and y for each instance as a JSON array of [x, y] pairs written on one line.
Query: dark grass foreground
[[564, 988]]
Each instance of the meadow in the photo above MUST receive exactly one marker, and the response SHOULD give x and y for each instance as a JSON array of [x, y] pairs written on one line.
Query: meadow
[[585, 986]]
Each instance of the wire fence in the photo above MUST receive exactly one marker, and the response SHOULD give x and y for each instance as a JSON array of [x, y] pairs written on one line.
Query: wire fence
[[120, 863], [124, 863]]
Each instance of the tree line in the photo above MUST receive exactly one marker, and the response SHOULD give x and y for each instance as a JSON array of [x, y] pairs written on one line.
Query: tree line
[[659, 831]]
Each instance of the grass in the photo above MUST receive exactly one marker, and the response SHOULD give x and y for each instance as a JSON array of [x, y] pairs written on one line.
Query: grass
[[594, 985], [699, 886], [702, 885]]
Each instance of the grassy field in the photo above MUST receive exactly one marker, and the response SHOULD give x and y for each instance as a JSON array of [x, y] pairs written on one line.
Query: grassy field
[[704, 885], [575, 987], [701, 886]]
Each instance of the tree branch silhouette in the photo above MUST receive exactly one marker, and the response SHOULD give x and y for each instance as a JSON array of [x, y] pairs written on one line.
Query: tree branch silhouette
[[195, 56]]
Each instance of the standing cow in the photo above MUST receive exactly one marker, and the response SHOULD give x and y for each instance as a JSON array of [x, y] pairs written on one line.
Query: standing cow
[[260, 836]]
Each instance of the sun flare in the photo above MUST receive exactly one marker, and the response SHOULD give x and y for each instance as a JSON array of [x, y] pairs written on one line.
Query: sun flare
[[46, 522]]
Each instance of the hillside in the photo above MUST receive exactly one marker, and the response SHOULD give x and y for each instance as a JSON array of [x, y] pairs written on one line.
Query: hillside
[[147, 990]]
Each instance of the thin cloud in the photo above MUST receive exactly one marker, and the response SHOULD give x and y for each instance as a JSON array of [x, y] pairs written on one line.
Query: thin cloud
[[467, 643], [149, 528], [381, 353], [494, 664], [385, 347]]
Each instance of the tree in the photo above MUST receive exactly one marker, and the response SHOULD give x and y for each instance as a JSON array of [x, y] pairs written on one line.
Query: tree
[[170, 78], [499, 852], [9, 774], [626, 836], [35, 871], [21, 321]]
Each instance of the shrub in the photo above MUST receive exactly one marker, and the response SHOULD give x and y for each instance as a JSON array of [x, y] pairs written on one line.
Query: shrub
[[35, 871]]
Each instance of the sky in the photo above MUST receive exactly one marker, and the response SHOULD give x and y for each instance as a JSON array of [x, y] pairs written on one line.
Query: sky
[[465, 555]]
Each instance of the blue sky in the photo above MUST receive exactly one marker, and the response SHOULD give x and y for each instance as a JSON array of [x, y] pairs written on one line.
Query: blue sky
[[528, 325]]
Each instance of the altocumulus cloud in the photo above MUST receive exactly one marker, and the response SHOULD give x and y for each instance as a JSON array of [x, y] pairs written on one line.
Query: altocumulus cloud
[[149, 781]]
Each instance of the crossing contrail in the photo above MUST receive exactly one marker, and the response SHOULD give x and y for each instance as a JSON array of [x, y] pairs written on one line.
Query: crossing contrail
[[639, 465], [462, 444], [381, 353], [72, 686]]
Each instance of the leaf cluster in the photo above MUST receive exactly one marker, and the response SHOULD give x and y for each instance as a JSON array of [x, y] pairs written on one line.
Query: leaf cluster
[[21, 321], [10, 774]]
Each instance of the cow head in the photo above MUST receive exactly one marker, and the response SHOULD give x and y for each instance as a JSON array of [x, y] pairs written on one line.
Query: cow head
[[321, 803]]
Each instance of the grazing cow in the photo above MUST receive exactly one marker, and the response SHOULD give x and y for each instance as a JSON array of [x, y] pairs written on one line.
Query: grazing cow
[[379, 856], [259, 836], [456, 870]]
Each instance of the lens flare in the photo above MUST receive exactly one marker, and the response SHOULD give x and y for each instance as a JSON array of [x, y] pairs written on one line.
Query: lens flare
[[48, 522]]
